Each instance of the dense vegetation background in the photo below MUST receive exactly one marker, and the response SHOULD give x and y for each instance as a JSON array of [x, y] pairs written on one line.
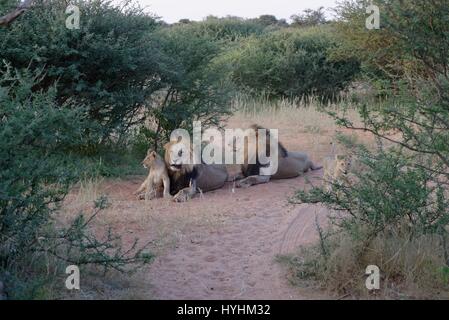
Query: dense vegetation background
[[90, 101]]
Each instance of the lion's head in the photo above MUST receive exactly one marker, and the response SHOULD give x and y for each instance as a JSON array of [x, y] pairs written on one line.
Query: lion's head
[[151, 158], [177, 157], [241, 141], [250, 168], [343, 163], [281, 149]]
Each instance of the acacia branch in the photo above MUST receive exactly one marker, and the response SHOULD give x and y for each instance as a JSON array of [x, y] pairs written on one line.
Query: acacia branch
[[10, 17]]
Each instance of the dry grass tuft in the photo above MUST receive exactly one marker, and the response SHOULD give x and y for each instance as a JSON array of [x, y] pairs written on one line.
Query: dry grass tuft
[[410, 268], [89, 190], [302, 126]]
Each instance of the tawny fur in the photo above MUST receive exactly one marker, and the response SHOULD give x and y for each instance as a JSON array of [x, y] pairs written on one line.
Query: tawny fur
[[157, 180], [336, 169]]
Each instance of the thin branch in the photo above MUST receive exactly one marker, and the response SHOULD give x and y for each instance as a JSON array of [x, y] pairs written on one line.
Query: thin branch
[[10, 17]]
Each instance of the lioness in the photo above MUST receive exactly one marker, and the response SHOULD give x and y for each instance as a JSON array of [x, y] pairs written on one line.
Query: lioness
[[290, 164], [187, 179], [336, 169], [157, 178]]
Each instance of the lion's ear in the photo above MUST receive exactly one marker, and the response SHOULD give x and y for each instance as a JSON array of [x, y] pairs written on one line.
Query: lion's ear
[[153, 154], [168, 145]]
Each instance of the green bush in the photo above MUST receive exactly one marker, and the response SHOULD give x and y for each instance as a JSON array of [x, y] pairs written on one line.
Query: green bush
[[389, 53], [227, 29], [397, 201], [391, 212], [309, 17], [387, 191], [111, 65], [268, 20], [37, 169], [124, 66], [290, 63]]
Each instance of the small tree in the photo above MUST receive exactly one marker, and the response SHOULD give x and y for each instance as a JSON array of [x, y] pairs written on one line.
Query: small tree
[[309, 17], [193, 92], [267, 20], [36, 171], [184, 21], [111, 65]]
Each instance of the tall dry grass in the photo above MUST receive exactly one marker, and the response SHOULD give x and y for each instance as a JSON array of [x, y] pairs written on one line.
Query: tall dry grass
[[302, 125], [289, 112], [89, 190], [410, 267]]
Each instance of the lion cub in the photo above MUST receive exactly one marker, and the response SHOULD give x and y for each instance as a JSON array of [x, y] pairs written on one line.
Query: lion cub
[[157, 178], [336, 169]]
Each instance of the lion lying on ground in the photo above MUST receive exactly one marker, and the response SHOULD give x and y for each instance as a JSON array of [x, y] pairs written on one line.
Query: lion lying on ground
[[186, 180], [157, 179], [290, 164]]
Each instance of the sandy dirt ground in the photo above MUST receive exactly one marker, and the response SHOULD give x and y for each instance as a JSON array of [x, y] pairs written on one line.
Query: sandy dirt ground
[[224, 244]]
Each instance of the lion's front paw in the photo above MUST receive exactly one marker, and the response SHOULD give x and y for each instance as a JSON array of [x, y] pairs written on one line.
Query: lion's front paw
[[150, 195], [140, 196], [168, 197], [182, 196]]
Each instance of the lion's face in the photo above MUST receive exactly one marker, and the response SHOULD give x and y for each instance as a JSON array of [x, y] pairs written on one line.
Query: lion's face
[[343, 163], [150, 159], [177, 156]]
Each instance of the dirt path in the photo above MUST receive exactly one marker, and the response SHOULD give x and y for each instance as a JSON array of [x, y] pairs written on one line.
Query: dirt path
[[220, 246], [237, 261]]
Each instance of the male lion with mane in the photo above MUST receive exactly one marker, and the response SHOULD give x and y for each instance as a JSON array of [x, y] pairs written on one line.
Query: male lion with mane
[[187, 179], [290, 164]]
